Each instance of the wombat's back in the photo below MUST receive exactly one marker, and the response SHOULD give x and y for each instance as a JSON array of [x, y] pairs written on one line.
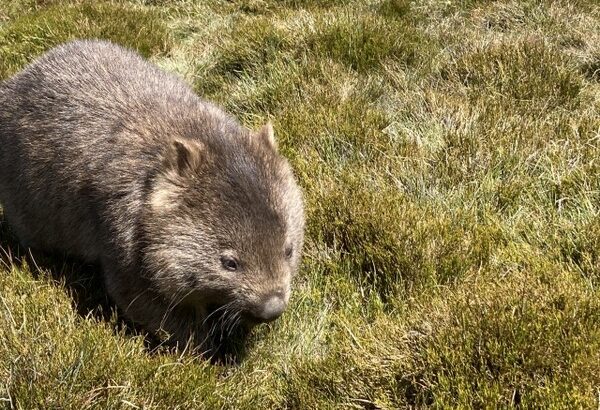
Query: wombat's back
[[78, 136]]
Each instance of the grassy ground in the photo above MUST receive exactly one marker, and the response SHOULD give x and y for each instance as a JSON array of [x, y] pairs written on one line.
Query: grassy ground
[[450, 157]]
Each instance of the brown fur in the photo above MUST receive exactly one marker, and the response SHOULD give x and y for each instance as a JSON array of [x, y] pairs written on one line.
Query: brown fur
[[107, 158]]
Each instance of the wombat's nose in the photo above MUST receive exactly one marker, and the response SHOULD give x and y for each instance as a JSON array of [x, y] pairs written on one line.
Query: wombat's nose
[[271, 310]]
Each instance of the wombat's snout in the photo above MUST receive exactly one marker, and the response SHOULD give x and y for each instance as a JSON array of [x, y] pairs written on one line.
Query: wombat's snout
[[272, 307]]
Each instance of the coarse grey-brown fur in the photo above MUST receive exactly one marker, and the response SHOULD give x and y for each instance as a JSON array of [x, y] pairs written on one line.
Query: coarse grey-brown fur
[[106, 157]]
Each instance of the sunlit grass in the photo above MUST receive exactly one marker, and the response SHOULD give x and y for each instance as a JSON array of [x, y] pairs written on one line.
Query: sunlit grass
[[30, 34]]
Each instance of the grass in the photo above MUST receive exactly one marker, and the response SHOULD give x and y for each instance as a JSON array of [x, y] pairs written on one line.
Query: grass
[[32, 33], [449, 156]]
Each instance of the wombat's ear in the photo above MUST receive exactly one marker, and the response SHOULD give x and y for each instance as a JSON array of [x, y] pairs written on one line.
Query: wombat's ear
[[183, 156], [267, 135]]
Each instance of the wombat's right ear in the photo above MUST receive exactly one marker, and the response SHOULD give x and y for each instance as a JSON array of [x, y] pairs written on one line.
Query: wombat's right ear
[[183, 156], [267, 134]]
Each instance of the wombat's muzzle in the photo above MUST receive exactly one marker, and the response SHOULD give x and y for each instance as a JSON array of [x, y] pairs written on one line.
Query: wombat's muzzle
[[269, 310]]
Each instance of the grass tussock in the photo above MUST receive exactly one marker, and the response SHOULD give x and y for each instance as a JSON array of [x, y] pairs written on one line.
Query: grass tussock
[[591, 68], [257, 46], [528, 72], [375, 231], [256, 5], [364, 43], [396, 8], [509, 340], [494, 351], [448, 153], [31, 34]]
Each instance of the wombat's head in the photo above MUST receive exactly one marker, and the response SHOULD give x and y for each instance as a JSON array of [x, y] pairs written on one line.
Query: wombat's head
[[224, 227]]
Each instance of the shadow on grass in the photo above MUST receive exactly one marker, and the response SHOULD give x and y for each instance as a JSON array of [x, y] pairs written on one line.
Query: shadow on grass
[[84, 284], [83, 281]]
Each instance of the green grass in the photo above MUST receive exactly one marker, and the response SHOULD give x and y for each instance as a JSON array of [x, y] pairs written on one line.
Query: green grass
[[30, 34], [449, 156]]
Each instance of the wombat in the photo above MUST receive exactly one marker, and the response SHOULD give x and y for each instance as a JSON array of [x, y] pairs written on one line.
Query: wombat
[[196, 222]]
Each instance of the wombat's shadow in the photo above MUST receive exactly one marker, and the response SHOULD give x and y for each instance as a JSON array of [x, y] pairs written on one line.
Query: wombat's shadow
[[83, 281], [85, 286]]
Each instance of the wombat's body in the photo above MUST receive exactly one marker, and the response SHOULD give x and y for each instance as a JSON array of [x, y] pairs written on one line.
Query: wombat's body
[[105, 157]]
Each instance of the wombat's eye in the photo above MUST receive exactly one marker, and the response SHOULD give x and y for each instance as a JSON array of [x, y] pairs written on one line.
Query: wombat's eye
[[230, 263], [289, 251]]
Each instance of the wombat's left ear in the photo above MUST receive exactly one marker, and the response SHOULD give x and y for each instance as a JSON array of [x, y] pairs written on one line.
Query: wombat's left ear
[[267, 135], [183, 156]]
